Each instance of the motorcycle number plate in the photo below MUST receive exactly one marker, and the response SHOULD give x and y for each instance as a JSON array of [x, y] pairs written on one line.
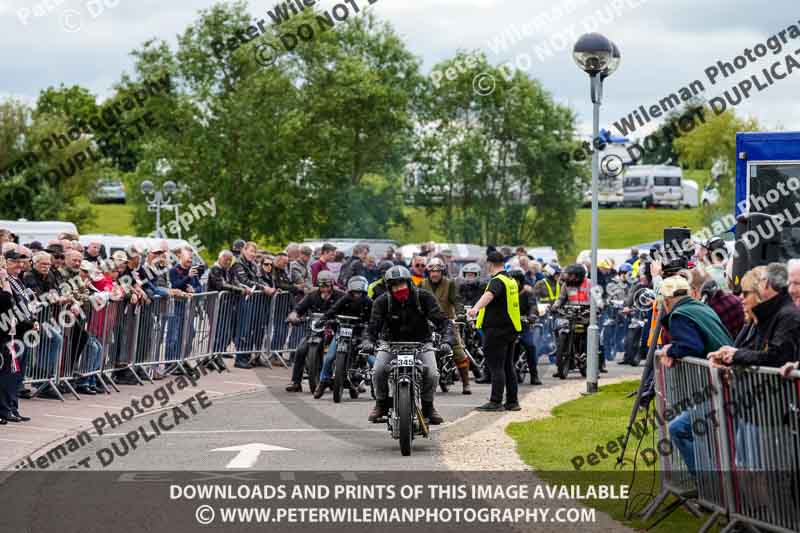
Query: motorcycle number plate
[[405, 360], [578, 328], [346, 332]]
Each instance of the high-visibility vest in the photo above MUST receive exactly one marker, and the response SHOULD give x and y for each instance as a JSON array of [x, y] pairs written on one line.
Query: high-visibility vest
[[551, 297], [635, 267], [580, 295], [512, 302]]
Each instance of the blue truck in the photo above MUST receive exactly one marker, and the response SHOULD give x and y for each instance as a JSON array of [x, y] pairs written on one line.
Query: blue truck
[[767, 199]]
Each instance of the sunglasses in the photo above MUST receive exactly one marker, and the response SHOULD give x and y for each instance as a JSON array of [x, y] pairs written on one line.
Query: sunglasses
[[267, 264]]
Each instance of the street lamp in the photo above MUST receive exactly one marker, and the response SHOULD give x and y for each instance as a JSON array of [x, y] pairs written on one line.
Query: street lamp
[[599, 58], [158, 199]]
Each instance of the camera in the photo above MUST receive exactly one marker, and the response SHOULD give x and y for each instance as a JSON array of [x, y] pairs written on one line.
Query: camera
[[677, 251]]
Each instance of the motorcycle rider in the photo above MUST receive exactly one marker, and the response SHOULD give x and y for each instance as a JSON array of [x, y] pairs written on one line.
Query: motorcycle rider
[[354, 303], [317, 301], [547, 290], [527, 307], [469, 289], [445, 291], [378, 287], [401, 315], [577, 290]]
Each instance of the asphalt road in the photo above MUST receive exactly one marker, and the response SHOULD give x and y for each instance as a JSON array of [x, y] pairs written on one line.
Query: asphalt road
[[312, 434]]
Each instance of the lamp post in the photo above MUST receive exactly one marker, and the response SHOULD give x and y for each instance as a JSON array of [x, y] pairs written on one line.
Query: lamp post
[[599, 58], [158, 199]]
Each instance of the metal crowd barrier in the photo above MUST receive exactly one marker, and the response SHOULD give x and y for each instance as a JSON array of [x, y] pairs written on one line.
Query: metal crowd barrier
[[746, 443], [76, 348]]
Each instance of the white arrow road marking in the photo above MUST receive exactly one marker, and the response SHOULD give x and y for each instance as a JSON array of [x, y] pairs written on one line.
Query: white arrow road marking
[[248, 453]]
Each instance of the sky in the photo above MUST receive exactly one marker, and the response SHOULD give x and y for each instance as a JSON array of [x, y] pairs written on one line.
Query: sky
[[665, 44]]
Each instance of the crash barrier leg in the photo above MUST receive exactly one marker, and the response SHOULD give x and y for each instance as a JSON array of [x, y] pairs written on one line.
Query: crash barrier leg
[[224, 327], [41, 356], [283, 337], [200, 328]]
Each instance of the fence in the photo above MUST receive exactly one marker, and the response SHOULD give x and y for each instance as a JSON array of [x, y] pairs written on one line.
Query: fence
[[746, 443], [78, 346]]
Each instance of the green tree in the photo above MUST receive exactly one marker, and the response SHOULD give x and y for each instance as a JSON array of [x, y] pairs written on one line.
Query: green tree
[[715, 140], [487, 154], [284, 149]]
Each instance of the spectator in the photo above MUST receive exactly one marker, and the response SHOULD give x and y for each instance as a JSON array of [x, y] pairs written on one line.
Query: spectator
[[714, 254], [778, 325], [521, 252], [389, 255], [184, 276], [56, 251], [292, 252], [355, 266], [727, 305], [300, 271], [506, 251], [750, 299], [237, 247], [93, 252], [634, 256], [398, 258], [35, 247], [280, 273], [266, 270], [9, 403], [5, 236], [418, 264], [327, 255], [220, 277], [695, 330], [16, 261], [154, 274], [794, 280]]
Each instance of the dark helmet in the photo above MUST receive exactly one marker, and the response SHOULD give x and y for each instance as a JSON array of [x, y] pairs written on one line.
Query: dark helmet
[[518, 275], [325, 278], [237, 245], [383, 266], [574, 275], [396, 275], [357, 284]]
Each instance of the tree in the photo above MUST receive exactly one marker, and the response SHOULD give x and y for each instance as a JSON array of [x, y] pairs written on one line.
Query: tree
[[715, 140], [487, 153], [284, 149]]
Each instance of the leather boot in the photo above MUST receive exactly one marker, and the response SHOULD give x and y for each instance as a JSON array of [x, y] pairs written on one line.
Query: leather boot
[[535, 376], [378, 412], [464, 372], [321, 386], [429, 412]]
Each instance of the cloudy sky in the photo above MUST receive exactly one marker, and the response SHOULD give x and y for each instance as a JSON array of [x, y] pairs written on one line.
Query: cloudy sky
[[665, 44]]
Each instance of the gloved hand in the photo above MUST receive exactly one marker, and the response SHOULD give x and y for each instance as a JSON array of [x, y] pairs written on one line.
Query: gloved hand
[[367, 346]]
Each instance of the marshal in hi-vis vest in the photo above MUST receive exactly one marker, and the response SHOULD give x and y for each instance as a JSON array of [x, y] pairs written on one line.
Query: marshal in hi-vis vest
[[512, 302]]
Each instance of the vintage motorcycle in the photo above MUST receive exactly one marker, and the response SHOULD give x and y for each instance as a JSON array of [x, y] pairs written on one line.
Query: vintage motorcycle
[[351, 368], [571, 327], [404, 419]]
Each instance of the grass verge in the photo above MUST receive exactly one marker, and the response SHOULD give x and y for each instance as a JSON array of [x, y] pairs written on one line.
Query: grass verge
[[578, 428]]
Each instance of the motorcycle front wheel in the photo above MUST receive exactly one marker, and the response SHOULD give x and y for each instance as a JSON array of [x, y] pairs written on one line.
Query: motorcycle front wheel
[[339, 374], [313, 366], [405, 413]]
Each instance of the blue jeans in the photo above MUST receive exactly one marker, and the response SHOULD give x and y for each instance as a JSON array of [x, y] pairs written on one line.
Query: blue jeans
[[682, 436], [92, 352], [526, 338], [327, 362], [49, 350], [543, 339]]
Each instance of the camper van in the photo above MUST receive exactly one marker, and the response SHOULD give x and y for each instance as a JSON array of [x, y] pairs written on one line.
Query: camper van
[[41, 231], [653, 185]]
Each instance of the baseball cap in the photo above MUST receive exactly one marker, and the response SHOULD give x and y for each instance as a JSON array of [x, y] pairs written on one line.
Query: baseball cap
[[12, 255], [674, 284], [87, 266], [119, 255]]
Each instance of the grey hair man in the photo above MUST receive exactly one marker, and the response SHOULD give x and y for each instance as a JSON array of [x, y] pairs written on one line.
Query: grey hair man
[[793, 268]]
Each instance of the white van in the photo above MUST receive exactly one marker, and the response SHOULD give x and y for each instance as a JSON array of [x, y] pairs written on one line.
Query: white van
[[653, 185], [691, 196], [42, 231]]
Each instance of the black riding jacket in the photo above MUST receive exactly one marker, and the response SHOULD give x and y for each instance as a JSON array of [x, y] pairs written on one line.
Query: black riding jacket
[[313, 302], [408, 321], [349, 306]]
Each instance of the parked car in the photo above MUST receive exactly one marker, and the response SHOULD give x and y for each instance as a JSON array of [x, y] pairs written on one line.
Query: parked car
[[41, 231], [109, 191], [653, 185]]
